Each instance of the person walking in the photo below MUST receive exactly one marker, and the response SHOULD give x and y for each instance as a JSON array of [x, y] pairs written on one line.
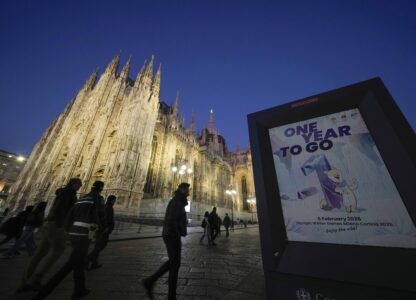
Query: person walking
[[174, 228], [227, 223], [219, 223], [82, 222], [34, 221], [52, 245], [102, 239], [13, 227], [213, 221], [207, 229]]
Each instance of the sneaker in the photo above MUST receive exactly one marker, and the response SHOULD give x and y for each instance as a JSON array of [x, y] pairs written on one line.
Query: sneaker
[[148, 286], [80, 294]]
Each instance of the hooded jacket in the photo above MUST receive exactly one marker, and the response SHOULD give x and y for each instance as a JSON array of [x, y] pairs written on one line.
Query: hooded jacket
[[64, 200], [175, 217]]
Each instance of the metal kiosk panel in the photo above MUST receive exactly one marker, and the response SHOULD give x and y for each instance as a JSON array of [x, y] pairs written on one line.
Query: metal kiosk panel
[[334, 176]]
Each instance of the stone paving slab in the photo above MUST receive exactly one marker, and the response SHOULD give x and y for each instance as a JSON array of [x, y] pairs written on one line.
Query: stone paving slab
[[231, 270]]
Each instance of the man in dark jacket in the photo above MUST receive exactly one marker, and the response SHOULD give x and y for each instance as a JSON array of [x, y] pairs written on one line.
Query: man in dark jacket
[[33, 222], [13, 227], [102, 239], [227, 223], [213, 220], [83, 217], [53, 236], [173, 228]]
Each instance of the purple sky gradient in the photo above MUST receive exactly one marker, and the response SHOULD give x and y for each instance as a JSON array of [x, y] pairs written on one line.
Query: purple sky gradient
[[236, 57]]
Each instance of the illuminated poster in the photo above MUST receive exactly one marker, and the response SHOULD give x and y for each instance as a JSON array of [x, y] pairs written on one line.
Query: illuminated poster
[[334, 186]]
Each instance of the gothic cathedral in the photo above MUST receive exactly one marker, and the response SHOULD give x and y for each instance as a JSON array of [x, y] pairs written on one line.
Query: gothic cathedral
[[118, 130]]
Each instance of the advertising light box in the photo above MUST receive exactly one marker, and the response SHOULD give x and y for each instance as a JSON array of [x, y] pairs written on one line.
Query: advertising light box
[[335, 179], [334, 186]]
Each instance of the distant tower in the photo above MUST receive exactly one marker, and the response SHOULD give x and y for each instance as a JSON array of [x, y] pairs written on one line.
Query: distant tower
[[104, 133], [211, 121]]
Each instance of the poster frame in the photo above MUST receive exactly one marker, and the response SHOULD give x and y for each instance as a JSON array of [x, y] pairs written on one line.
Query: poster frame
[[382, 267]]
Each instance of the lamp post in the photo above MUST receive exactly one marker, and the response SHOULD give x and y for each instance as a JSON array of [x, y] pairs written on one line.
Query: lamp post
[[178, 172], [181, 170], [231, 192], [251, 202]]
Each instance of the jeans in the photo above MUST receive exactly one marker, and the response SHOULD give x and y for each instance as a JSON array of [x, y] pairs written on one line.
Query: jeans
[[75, 263], [99, 246], [207, 233], [27, 237], [173, 246], [52, 246]]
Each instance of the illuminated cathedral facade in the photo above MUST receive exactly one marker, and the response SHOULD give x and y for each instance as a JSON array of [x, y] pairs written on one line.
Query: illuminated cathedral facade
[[118, 130]]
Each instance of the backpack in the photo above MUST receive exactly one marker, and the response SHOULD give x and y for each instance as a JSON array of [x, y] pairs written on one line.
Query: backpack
[[204, 223]]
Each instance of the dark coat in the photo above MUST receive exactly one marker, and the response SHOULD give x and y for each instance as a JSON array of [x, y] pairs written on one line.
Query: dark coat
[[226, 221], [35, 219], [64, 200], [13, 226], [213, 220], [175, 217], [109, 214], [88, 209]]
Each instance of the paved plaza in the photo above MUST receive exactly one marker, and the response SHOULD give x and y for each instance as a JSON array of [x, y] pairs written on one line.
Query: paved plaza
[[231, 270]]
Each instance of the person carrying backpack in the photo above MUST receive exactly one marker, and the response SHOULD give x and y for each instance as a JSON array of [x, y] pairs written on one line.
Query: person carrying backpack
[[102, 239], [84, 218], [207, 229]]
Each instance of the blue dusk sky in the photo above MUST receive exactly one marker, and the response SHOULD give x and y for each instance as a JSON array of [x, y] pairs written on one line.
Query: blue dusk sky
[[235, 57]]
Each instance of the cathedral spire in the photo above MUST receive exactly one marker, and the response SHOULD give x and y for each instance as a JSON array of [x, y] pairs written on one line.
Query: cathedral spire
[[89, 83], [211, 121], [126, 69], [149, 70], [113, 65], [140, 74], [149, 73], [192, 122], [204, 136], [176, 105], [156, 81], [183, 120]]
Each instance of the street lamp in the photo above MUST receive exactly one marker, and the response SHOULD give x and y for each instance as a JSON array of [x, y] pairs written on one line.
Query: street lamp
[[231, 192], [251, 202], [180, 170]]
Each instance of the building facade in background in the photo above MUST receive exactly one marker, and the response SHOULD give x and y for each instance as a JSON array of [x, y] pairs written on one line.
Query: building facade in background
[[10, 166], [117, 130]]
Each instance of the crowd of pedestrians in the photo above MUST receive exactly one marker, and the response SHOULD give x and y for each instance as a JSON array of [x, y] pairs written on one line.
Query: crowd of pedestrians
[[80, 221], [211, 223], [88, 219]]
